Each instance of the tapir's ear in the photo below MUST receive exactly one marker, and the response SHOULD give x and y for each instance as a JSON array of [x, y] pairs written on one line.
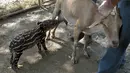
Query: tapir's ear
[[38, 23]]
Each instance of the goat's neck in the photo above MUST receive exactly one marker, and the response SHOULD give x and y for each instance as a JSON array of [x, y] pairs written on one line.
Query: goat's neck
[[97, 19]]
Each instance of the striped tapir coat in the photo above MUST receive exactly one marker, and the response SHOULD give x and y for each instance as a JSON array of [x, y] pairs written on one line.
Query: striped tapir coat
[[30, 38]]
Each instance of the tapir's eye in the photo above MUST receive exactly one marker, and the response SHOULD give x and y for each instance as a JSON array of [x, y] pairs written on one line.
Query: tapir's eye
[[45, 25]]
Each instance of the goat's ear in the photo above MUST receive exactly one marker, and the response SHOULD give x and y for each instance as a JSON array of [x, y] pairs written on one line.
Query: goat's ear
[[38, 23]]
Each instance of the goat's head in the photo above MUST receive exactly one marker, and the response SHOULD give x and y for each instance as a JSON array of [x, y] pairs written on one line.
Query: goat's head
[[112, 27]]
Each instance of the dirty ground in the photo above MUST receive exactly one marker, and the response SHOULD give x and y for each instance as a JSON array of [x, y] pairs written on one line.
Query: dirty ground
[[58, 60]]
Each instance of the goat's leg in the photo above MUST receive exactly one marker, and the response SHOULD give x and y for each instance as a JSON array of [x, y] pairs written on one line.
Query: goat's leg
[[76, 36], [81, 35], [60, 17], [15, 60], [57, 12], [53, 32], [87, 41], [48, 36]]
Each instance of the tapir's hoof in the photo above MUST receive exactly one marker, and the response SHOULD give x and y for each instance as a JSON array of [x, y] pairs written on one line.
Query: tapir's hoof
[[15, 68]]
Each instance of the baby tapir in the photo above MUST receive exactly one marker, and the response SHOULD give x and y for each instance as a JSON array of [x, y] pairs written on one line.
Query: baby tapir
[[30, 38]]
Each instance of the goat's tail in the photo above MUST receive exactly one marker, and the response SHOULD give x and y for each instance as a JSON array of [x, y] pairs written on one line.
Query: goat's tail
[[59, 12], [65, 21], [61, 19]]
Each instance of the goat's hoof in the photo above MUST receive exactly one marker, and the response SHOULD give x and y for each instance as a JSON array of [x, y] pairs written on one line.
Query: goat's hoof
[[72, 39], [97, 61], [86, 55], [74, 61]]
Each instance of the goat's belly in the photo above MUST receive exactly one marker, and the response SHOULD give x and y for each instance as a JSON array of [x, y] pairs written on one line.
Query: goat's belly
[[70, 19], [71, 9], [67, 11], [75, 9]]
